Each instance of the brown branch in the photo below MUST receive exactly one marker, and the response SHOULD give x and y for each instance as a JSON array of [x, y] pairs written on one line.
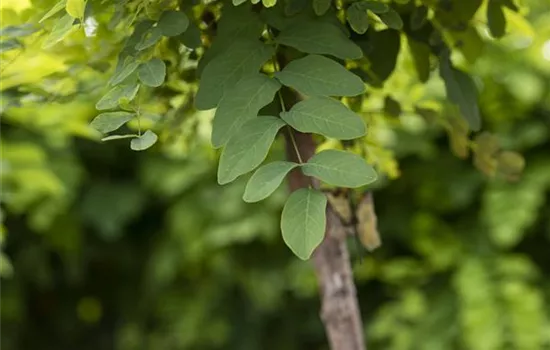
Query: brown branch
[[339, 307]]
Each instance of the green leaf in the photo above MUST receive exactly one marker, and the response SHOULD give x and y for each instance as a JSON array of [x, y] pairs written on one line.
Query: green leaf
[[61, 28], [238, 2], [303, 221], [319, 38], [10, 44], [241, 104], [316, 75], [143, 142], [382, 54], [119, 137], [269, 3], [137, 36], [76, 8], [357, 18], [111, 98], [496, 19], [462, 91], [152, 73], [420, 53], [320, 7], [110, 121], [340, 168], [245, 57], [419, 17], [248, 147], [19, 31], [391, 19], [266, 180], [149, 38], [129, 66], [374, 6], [55, 9], [325, 116], [191, 38], [172, 23]]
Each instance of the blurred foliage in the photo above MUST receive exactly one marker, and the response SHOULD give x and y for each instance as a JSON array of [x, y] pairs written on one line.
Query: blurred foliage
[[105, 248]]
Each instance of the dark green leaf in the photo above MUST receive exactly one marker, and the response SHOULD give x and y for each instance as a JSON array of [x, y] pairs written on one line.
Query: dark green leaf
[[19, 31], [420, 53], [172, 23], [325, 116], [319, 38], [248, 147], [61, 28], [110, 121], [320, 7], [245, 57], [303, 221], [137, 36], [391, 19], [111, 98], [340, 168], [496, 19], [357, 18], [266, 180], [382, 54], [374, 6], [10, 44], [293, 7], [149, 38], [144, 141], [191, 37], [462, 91], [152, 73], [419, 17], [392, 108], [316, 75], [129, 66], [241, 104]]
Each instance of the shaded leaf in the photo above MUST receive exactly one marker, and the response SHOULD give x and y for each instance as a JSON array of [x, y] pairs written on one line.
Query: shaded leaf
[[149, 38], [241, 104], [55, 9], [266, 180], [391, 19], [340, 168], [420, 53], [10, 44], [191, 37], [111, 98], [418, 17], [325, 116], [245, 57], [462, 91], [76, 8], [303, 221], [316, 75], [392, 108], [152, 73], [238, 2], [496, 19], [320, 7], [110, 121], [61, 28], [129, 66], [18, 31], [382, 51], [319, 38], [172, 23], [357, 18], [374, 6], [144, 141], [248, 147]]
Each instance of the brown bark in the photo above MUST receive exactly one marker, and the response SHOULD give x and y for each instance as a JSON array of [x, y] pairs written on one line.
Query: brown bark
[[339, 307]]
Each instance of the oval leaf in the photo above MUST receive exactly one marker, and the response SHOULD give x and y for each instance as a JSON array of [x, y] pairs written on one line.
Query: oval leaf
[[245, 57], [357, 18], [391, 19], [316, 75], [76, 8], [55, 9], [340, 168], [61, 28], [319, 38], [152, 73], [325, 116], [149, 38], [266, 180], [111, 99], [303, 221], [172, 23], [143, 142], [320, 7], [107, 122], [248, 147], [240, 104], [129, 66]]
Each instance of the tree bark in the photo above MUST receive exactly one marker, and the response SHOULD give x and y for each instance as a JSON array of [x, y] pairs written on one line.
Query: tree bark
[[339, 307]]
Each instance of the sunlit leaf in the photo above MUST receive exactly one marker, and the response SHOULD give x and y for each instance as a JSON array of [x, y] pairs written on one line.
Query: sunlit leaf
[[420, 53], [496, 19], [144, 141], [10, 44], [248, 147], [316, 75], [241, 104], [303, 221], [266, 180], [61, 28], [55, 9], [76, 8], [110, 121], [152, 73], [325, 116], [340, 168]]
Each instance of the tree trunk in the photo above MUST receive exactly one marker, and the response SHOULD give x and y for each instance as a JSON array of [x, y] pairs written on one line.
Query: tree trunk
[[339, 307]]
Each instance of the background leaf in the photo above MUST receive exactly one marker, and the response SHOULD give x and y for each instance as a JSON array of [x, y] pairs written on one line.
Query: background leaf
[[325, 116], [320, 7], [76, 8], [340, 168], [303, 221], [266, 180], [357, 18]]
